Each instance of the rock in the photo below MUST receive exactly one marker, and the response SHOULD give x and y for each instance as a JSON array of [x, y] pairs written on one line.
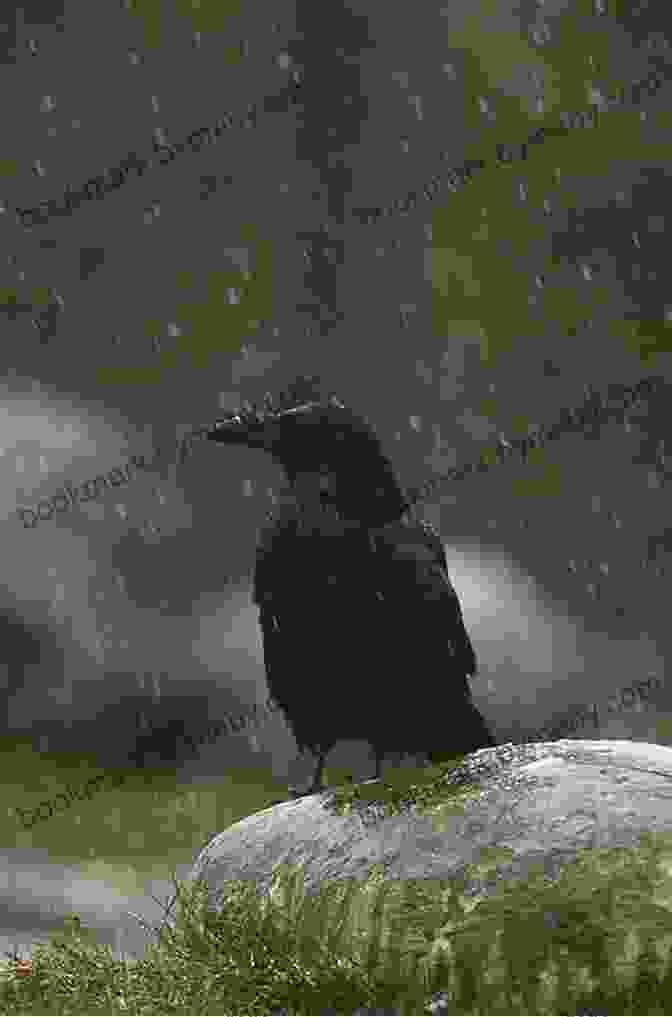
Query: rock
[[525, 806]]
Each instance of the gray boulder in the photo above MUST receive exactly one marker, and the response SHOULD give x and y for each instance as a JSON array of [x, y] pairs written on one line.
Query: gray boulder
[[541, 803], [499, 816]]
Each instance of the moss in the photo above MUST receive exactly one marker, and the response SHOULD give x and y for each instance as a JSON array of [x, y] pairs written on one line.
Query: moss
[[402, 789]]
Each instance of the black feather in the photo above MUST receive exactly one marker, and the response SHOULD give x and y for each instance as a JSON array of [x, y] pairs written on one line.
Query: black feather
[[362, 630]]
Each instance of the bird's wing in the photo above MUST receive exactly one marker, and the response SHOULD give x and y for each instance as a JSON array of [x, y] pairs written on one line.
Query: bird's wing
[[424, 579], [408, 576]]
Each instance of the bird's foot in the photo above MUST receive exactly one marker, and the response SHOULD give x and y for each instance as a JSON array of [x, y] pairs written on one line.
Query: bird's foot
[[312, 789]]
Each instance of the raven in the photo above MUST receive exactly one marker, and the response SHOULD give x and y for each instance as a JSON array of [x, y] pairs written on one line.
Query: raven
[[363, 634]]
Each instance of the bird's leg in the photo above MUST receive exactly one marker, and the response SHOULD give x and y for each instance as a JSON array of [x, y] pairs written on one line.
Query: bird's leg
[[317, 784], [317, 779], [379, 763]]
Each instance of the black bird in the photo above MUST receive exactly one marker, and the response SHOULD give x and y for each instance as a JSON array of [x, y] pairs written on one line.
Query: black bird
[[362, 630]]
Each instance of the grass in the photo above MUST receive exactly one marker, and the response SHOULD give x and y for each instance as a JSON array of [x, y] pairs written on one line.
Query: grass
[[594, 941]]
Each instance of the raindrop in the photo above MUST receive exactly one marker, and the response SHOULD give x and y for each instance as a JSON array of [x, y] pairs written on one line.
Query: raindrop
[[523, 191], [404, 311], [595, 97], [47, 104], [547, 206], [232, 295], [587, 272], [134, 57]]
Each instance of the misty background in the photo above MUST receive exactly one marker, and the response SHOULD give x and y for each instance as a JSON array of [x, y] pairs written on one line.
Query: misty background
[[146, 313]]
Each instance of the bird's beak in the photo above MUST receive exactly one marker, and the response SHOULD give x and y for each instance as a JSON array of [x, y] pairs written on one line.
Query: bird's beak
[[234, 429]]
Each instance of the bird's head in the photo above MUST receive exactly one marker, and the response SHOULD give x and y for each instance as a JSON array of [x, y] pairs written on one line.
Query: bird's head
[[322, 446], [287, 427]]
